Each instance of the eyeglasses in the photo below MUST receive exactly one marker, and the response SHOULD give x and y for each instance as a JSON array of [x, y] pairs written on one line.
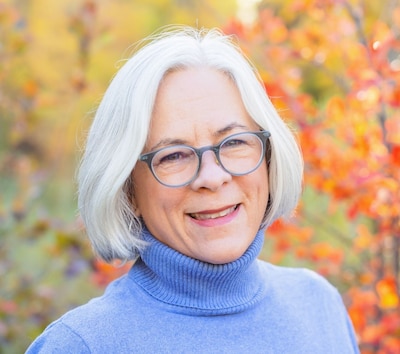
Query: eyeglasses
[[238, 154]]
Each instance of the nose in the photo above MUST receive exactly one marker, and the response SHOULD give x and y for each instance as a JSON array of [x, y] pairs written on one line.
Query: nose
[[211, 175]]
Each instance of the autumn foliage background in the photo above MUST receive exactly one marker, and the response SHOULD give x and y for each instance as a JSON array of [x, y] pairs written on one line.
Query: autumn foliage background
[[332, 69]]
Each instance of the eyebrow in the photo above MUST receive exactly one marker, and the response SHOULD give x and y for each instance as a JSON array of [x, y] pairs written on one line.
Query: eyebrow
[[229, 128], [217, 134]]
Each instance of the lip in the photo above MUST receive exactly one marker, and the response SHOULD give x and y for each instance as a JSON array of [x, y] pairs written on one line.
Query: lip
[[215, 217]]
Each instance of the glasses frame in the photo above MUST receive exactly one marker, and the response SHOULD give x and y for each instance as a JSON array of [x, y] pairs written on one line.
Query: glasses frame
[[263, 135]]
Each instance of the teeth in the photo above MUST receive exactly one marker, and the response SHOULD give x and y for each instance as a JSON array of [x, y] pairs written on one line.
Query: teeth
[[213, 215]]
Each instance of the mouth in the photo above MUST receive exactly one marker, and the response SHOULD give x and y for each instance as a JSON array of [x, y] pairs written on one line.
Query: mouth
[[213, 215]]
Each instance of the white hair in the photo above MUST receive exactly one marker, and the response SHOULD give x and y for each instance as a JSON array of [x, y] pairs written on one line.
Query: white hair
[[122, 122]]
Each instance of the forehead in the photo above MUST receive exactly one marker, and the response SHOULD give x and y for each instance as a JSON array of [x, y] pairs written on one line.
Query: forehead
[[194, 103]]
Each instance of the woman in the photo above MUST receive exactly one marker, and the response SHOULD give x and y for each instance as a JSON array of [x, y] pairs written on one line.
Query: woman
[[187, 162]]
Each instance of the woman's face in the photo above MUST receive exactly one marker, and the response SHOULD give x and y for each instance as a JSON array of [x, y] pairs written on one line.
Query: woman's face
[[216, 217]]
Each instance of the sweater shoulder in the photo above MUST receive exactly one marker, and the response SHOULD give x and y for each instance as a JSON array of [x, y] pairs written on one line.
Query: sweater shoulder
[[79, 327], [58, 337], [100, 307], [297, 281]]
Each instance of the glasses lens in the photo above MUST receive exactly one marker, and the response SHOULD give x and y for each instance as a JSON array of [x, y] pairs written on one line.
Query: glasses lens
[[175, 165], [241, 153]]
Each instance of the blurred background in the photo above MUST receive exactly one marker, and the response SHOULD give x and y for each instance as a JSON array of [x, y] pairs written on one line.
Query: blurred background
[[332, 69]]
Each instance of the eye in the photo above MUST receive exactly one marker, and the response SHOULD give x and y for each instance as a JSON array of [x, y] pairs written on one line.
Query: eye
[[234, 142], [173, 155]]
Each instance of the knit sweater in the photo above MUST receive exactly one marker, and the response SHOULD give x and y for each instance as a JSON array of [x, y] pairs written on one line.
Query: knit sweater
[[171, 303]]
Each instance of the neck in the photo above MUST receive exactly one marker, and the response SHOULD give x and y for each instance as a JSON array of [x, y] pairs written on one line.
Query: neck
[[196, 286]]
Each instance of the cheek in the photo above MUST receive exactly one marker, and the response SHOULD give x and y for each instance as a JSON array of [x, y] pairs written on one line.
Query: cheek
[[262, 175], [142, 190], [153, 201], [263, 188]]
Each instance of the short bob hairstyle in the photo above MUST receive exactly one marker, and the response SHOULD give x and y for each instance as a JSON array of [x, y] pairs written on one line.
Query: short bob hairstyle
[[122, 122]]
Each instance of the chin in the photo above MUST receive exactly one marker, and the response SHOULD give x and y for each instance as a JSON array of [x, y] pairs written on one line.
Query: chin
[[223, 257]]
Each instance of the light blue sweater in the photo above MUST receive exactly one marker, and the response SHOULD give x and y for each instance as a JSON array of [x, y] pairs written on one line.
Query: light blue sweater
[[170, 303]]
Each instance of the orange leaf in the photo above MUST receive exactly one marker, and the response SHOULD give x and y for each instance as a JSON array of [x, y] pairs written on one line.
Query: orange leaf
[[364, 238], [301, 252], [372, 334], [324, 250], [105, 273], [392, 126], [273, 27], [395, 97], [396, 155], [283, 244], [386, 289], [30, 88], [357, 318], [336, 109]]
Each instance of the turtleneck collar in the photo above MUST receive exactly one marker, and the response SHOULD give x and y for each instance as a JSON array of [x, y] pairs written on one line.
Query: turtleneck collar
[[196, 287]]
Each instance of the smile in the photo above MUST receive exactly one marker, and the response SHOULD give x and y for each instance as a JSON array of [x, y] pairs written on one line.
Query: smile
[[215, 215]]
